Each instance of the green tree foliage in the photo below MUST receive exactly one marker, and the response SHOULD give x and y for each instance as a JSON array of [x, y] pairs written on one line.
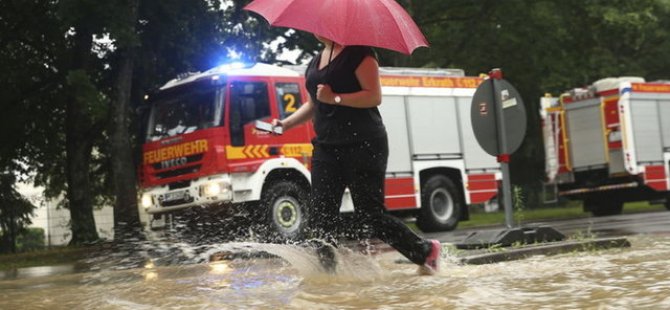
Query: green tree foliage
[[31, 239], [30, 122], [15, 213]]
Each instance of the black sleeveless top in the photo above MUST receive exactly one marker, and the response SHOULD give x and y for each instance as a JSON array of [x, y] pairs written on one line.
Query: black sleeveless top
[[340, 124]]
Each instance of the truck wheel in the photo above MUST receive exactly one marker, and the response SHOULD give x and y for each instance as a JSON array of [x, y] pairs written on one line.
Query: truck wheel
[[440, 205], [603, 207], [284, 207]]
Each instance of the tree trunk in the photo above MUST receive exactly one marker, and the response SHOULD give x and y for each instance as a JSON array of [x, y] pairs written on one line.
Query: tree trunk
[[78, 147], [79, 189], [12, 232], [126, 217], [8, 232]]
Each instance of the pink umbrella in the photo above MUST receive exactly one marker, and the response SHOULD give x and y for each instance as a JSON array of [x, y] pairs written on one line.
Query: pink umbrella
[[378, 23]]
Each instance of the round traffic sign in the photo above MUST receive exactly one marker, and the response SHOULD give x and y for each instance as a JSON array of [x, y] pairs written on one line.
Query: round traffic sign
[[492, 97]]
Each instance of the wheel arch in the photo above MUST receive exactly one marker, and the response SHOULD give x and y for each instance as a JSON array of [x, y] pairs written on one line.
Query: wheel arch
[[289, 174], [454, 175], [250, 187]]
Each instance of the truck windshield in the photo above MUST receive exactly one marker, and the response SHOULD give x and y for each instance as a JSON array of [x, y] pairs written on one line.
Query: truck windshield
[[185, 111]]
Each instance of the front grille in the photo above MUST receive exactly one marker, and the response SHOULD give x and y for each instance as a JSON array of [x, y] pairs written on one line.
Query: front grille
[[186, 199], [178, 172], [180, 184]]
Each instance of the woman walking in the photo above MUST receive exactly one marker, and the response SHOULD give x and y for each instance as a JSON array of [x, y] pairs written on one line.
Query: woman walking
[[351, 150]]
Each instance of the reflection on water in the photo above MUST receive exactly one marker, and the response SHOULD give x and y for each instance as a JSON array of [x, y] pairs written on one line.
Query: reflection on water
[[291, 278]]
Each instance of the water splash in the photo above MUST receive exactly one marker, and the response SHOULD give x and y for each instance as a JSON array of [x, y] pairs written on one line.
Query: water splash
[[351, 263]]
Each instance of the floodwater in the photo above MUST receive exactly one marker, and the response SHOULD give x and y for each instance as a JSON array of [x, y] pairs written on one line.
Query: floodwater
[[291, 278]]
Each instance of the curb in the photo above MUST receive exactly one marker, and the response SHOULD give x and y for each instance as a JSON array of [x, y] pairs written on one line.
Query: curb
[[544, 249]]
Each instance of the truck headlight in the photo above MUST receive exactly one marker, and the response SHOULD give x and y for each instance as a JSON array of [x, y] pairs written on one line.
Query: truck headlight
[[146, 201], [212, 189]]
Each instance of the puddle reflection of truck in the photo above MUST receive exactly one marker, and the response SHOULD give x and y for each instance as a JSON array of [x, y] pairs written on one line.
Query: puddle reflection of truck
[[203, 150], [609, 143]]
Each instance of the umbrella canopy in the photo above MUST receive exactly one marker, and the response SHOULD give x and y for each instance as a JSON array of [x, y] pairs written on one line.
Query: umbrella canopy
[[378, 23]]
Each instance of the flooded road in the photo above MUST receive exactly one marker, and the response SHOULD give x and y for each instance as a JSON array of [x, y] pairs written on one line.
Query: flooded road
[[291, 278]]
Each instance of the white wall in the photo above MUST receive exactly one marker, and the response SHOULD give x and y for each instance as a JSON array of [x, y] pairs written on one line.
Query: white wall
[[55, 221]]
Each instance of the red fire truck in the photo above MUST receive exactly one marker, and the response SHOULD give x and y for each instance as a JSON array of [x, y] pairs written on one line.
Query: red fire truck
[[609, 143], [203, 148]]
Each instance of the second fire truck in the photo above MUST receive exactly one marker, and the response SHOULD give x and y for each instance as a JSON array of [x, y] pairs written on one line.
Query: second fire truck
[[203, 149], [609, 143]]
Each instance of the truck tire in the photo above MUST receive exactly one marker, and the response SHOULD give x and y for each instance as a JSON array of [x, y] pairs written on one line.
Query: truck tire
[[284, 211], [440, 205], [603, 207]]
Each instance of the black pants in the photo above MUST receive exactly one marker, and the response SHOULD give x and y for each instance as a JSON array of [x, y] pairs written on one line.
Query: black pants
[[362, 168]]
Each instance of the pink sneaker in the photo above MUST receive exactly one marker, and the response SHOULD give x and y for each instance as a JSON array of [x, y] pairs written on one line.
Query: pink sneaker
[[432, 264]]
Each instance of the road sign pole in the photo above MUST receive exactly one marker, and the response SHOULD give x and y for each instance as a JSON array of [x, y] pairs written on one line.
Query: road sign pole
[[503, 150], [507, 195], [498, 119]]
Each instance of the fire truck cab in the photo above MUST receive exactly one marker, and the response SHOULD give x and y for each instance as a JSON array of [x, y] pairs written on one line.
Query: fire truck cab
[[203, 149]]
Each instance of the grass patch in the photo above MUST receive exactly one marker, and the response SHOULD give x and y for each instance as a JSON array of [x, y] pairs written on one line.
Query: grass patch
[[638, 207], [498, 218], [48, 257]]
